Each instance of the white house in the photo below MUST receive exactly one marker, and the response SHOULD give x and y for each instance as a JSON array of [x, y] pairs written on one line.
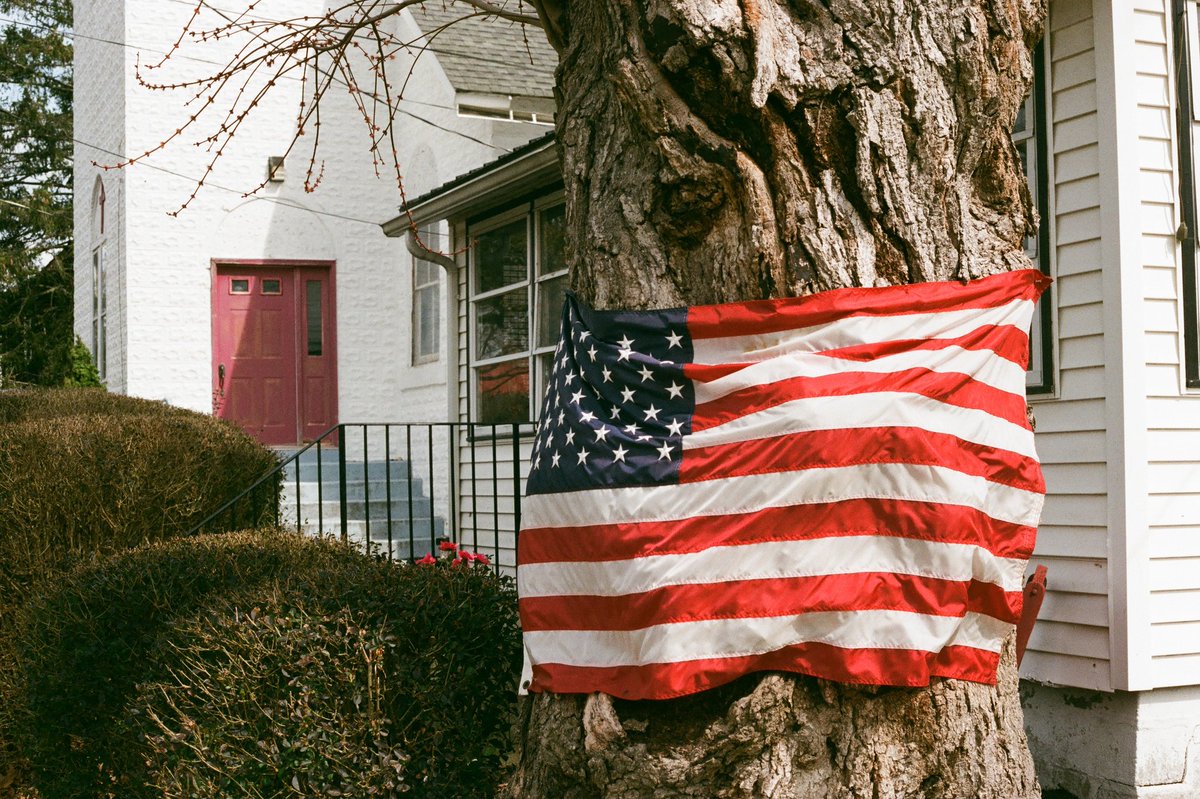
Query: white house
[[160, 299], [1112, 676]]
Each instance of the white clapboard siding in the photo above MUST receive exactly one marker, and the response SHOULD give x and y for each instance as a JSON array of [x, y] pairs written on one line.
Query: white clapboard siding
[[1070, 644], [1172, 440], [489, 495]]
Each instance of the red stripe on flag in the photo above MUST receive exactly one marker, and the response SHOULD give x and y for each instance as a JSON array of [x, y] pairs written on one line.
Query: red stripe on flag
[[769, 316], [930, 521], [816, 449], [1008, 342], [782, 596], [900, 667], [954, 389], [708, 372]]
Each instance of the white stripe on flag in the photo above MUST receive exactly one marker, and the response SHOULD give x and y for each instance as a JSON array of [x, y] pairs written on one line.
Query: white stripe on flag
[[858, 330], [880, 409], [727, 638], [983, 366], [744, 494], [772, 560]]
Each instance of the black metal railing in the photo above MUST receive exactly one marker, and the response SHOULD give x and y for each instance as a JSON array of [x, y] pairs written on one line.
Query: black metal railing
[[396, 488]]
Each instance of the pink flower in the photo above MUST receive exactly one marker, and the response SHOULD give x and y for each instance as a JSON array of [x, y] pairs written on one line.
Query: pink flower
[[429, 559], [482, 560], [456, 562], [447, 546], [466, 555]]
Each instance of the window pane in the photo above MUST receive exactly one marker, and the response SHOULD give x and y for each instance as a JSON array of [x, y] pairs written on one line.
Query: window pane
[[545, 365], [550, 301], [502, 324], [239, 285], [426, 273], [313, 311], [502, 392], [553, 229], [270, 285], [1022, 118], [427, 323], [500, 257]]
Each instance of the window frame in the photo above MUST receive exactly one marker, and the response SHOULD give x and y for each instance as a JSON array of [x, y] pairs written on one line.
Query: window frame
[[529, 210]]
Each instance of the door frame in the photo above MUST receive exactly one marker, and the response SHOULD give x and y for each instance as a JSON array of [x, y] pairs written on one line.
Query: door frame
[[294, 265]]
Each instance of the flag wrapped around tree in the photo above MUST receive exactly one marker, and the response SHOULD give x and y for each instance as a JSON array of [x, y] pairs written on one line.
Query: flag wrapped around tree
[[842, 485]]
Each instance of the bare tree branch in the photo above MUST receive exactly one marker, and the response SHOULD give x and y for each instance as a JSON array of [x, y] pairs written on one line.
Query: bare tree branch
[[319, 51]]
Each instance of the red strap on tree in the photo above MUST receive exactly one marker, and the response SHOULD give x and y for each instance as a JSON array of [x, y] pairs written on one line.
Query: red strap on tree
[[1035, 592]]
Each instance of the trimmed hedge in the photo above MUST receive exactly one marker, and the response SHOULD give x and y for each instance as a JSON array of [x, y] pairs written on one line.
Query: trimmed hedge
[[84, 471], [25, 405], [246, 664]]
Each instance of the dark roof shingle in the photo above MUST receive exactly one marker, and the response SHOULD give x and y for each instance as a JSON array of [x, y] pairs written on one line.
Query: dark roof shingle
[[487, 54]]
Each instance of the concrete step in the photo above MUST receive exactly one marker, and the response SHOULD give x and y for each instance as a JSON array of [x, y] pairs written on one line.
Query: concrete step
[[358, 509], [355, 489], [399, 550], [354, 470], [357, 529]]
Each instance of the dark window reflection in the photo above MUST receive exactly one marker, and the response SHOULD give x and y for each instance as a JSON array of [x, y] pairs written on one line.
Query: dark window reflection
[[313, 311], [503, 392], [501, 257], [552, 231], [550, 301], [502, 324]]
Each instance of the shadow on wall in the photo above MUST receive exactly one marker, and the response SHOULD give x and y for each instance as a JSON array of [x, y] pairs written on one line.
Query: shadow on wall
[[266, 229], [1056, 793]]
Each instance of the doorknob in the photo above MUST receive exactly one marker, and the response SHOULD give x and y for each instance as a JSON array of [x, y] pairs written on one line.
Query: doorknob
[[221, 376]]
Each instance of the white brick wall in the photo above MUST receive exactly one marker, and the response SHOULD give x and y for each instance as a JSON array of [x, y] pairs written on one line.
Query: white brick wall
[[99, 123]]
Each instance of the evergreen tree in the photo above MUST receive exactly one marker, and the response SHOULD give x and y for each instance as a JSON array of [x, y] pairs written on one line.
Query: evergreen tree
[[35, 191]]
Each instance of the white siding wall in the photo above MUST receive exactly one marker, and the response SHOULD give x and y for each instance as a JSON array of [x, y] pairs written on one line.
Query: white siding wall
[[1121, 440], [1070, 644], [1173, 434]]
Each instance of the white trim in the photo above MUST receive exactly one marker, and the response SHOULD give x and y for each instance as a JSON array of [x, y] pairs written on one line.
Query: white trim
[[1125, 414]]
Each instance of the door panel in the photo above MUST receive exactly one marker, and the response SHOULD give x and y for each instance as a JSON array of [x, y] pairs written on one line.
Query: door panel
[[318, 358], [267, 319]]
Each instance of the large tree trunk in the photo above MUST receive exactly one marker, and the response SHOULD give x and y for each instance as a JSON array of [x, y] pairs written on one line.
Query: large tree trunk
[[717, 151]]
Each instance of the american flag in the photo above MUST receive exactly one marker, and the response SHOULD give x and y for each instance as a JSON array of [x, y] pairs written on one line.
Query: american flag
[[842, 485]]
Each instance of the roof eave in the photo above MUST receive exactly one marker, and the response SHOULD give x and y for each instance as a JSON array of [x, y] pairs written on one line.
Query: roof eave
[[460, 197]]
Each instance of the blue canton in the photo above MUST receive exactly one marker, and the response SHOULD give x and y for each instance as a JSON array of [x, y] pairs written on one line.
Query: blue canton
[[617, 403]]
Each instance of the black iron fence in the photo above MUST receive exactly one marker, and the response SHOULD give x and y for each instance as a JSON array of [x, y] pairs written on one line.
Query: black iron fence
[[397, 489]]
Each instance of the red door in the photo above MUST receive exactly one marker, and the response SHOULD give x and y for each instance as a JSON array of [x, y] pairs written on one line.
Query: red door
[[274, 351]]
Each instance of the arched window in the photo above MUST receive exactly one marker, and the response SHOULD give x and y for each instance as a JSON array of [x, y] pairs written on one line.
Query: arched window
[[99, 282]]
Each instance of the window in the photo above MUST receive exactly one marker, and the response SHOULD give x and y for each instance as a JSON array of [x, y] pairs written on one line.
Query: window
[[426, 299], [99, 313], [518, 277], [99, 284], [1029, 136], [313, 316], [1187, 55]]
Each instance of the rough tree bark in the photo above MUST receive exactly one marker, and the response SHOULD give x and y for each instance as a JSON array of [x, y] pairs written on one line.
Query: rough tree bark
[[717, 150]]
